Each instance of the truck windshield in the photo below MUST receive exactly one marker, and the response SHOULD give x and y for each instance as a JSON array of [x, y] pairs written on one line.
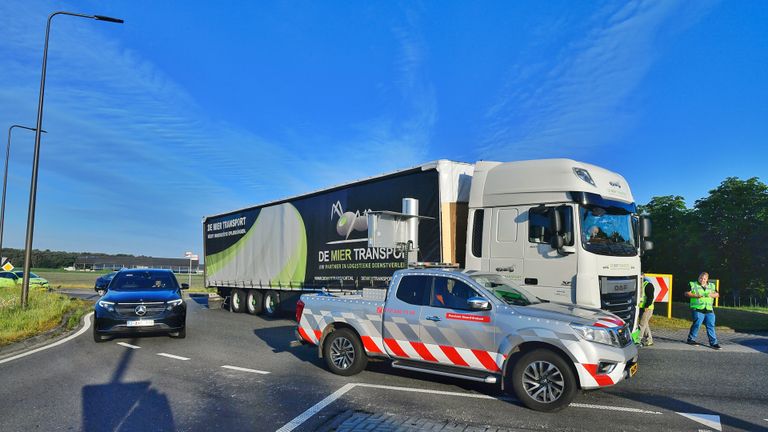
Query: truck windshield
[[607, 230], [505, 290]]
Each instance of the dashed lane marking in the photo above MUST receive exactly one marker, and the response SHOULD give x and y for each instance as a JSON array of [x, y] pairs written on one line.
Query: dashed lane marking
[[86, 326], [306, 415], [173, 356], [127, 345], [242, 369], [709, 420]]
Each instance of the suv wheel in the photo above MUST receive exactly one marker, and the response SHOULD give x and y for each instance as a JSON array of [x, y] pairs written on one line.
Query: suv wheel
[[543, 381], [344, 353], [181, 334], [98, 337]]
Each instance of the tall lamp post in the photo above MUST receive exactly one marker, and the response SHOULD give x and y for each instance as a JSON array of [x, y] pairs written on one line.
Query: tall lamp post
[[5, 183], [36, 159]]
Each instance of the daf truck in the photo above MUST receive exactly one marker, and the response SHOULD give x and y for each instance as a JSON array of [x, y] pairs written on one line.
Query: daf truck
[[564, 230]]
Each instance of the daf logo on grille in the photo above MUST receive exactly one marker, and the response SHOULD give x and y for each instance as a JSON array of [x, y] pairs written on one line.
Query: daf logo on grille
[[140, 310]]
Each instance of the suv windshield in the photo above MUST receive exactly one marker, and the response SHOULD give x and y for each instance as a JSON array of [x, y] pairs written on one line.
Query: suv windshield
[[607, 230], [143, 281], [505, 291]]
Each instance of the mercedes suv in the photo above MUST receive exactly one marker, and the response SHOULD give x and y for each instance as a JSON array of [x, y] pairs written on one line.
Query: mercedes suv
[[141, 301]]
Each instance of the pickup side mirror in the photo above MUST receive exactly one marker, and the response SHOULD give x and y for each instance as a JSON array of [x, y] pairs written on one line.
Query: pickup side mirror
[[478, 303], [185, 286]]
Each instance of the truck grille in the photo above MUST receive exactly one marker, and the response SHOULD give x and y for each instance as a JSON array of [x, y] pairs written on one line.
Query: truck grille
[[128, 310], [621, 304]]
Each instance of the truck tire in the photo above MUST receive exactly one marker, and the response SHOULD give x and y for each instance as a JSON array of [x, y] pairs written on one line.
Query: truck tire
[[237, 300], [254, 302], [543, 381], [271, 304], [343, 352]]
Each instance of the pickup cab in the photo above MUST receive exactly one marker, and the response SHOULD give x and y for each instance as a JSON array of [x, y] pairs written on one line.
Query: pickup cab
[[475, 326]]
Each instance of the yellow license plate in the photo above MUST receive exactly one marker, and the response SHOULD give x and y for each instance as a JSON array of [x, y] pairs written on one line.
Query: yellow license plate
[[633, 370]]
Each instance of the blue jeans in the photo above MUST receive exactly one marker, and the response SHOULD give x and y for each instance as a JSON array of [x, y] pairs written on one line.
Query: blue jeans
[[709, 322]]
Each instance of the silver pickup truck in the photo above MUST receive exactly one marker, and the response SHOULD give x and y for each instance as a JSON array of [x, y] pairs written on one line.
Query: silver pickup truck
[[475, 326]]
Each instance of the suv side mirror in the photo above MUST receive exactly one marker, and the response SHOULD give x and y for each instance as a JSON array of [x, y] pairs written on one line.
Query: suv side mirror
[[185, 286], [478, 303]]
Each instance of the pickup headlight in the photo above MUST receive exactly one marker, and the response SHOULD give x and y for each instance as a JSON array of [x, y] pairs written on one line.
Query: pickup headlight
[[596, 334], [173, 303], [110, 306]]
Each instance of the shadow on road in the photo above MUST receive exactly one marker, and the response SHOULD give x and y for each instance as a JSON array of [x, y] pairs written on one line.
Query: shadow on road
[[279, 340], [121, 406]]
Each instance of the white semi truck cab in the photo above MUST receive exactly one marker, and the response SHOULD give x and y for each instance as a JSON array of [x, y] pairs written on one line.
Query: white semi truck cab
[[565, 230]]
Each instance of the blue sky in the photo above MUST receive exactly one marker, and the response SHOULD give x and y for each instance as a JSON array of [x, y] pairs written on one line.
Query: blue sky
[[188, 109]]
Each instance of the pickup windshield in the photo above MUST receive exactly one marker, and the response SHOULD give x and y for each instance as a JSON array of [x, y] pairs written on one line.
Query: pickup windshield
[[607, 230], [505, 290]]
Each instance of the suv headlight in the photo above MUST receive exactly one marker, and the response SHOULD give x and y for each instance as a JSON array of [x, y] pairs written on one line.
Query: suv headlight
[[596, 334], [173, 303], [110, 306]]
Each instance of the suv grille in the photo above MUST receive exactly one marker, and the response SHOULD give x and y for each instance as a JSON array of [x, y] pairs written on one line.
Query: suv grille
[[128, 310]]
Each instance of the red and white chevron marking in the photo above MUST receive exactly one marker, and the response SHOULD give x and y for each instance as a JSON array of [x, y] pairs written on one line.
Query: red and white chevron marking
[[609, 322], [445, 354]]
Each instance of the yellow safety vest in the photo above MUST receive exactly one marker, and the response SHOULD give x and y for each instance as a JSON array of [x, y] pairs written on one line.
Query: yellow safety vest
[[705, 302], [643, 299]]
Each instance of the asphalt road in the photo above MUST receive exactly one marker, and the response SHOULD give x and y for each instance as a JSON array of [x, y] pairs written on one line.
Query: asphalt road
[[237, 372]]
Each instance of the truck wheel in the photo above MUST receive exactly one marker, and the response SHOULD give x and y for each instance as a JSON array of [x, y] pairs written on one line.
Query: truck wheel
[[237, 300], [253, 302], [344, 353], [543, 381], [271, 304]]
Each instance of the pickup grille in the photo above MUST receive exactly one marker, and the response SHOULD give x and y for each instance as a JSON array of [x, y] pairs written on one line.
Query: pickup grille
[[625, 335], [128, 310]]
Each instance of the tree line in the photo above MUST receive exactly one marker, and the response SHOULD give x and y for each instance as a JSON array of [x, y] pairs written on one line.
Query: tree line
[[51, 259], [724, 234]]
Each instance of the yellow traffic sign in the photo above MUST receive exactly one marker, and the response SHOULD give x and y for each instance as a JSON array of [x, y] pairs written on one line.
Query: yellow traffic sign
[[8, 266]]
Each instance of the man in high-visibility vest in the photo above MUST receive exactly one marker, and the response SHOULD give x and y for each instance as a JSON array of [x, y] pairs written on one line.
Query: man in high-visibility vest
[[703, 294], [646, 308]]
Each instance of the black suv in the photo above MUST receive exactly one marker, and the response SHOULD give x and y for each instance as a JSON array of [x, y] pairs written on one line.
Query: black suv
[[141, 301]]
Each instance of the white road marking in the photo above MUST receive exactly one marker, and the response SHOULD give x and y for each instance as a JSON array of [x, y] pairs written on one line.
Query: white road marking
[[314, 409], [173, 356], [709, 420], [86, 320], [614, 408], [242, 369], [127, 345]]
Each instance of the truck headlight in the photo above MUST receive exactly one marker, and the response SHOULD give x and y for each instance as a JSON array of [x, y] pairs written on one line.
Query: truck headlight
[[596, 334], [110, 306]]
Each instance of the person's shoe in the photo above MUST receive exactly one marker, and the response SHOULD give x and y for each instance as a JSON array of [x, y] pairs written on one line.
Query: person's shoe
[[716, 346], [690, 342], [648, 344]]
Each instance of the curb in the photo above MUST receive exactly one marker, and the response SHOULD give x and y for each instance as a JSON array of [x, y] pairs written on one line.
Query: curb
[[51, 336]]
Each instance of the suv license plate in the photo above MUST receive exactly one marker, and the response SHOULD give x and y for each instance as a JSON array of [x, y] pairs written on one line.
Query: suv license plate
[[141, 323], [633, 370]]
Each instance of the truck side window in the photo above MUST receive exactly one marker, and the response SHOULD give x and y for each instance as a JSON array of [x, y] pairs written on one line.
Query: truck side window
[[451, 294], [477, 233], [414, 289], [538, 225]]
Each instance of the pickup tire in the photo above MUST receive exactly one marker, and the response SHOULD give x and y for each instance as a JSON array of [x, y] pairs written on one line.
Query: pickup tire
[[271, 304], [254, 302], [237, 300], [343, 352], [543, 381]]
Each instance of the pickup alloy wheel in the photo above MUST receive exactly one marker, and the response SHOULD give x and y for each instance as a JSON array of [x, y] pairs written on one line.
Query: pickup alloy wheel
[[344, 353], [543, 381]]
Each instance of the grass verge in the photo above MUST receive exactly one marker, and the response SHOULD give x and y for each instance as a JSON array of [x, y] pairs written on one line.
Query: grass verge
[[45, 312], [727, 318]]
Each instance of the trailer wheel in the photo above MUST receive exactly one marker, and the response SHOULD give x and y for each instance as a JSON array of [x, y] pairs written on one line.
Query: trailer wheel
[[237, 300], [254, 302], [271, 304], [543, 381], [344, 353]]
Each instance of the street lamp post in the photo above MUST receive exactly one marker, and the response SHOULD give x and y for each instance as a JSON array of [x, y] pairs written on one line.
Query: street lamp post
[[5, 183], [36, 159]]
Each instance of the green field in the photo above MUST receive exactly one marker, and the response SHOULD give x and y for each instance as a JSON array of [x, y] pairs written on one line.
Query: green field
[[59, 279], [739, 319]]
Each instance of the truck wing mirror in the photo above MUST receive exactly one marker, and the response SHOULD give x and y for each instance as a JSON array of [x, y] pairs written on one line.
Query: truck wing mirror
[[555, 221], [556, 241], [478, 303], [647, 245], [185, 286], [645, 227]]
